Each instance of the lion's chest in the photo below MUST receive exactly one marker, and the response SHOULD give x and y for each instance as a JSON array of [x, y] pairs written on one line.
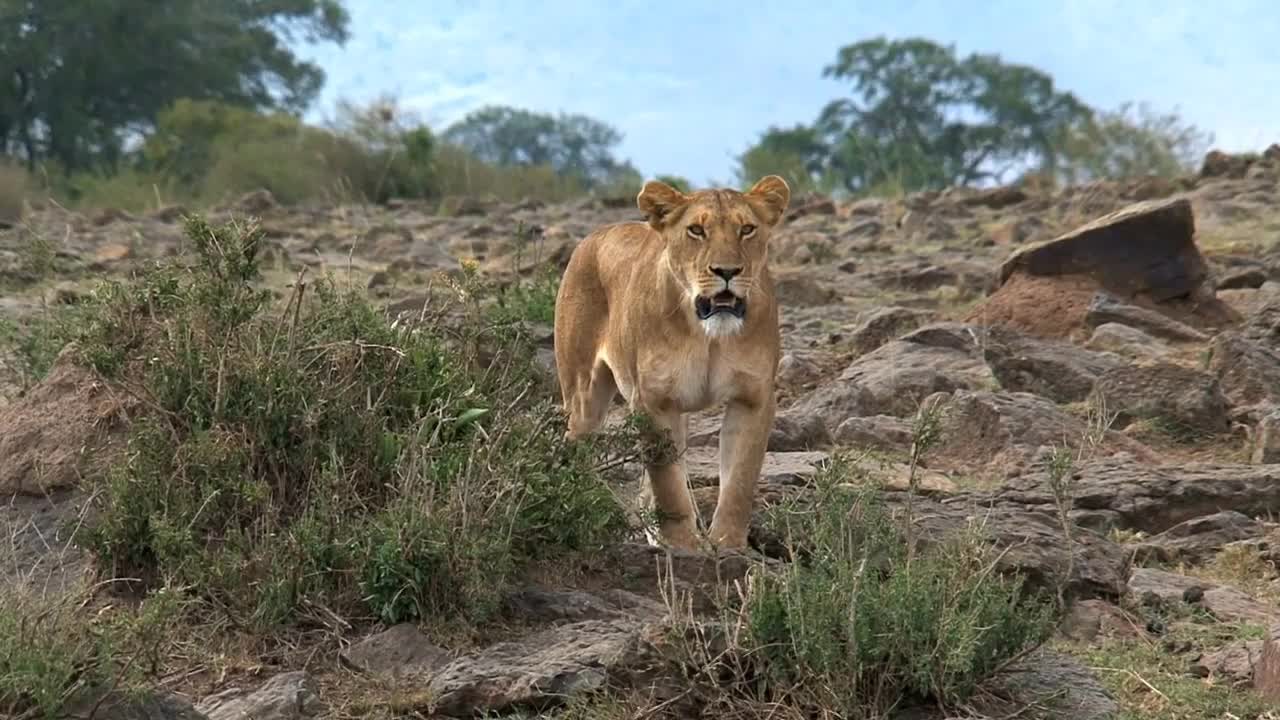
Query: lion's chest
[[687, 382]]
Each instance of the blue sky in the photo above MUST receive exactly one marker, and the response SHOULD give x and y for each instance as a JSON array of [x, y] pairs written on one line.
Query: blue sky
[[690, 84]]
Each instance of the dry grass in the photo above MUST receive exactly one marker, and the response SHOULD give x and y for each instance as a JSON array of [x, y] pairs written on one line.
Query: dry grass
[[14, 186]]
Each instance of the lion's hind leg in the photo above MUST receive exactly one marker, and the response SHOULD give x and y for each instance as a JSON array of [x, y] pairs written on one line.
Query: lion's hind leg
[[594, 394]]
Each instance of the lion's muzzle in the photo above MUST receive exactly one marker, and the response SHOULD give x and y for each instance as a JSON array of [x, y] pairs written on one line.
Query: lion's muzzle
[[723, 302]]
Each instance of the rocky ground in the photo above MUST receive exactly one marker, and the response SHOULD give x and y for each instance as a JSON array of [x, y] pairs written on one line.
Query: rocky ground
[[1136, 324]]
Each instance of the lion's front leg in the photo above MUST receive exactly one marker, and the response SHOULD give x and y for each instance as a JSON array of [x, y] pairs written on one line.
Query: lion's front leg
[[744, 437], [669, 485]]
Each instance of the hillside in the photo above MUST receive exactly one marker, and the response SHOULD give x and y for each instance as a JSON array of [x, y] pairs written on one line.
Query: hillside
[[1097, 369]]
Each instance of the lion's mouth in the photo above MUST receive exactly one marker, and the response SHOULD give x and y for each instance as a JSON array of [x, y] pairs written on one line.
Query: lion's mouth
[[722, 302]]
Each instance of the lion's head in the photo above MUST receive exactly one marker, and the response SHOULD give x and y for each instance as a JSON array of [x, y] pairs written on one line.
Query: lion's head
[[717, 244]]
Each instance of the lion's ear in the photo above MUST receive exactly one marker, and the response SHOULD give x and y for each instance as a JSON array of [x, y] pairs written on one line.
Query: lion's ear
[[770, 196], [658, 200]]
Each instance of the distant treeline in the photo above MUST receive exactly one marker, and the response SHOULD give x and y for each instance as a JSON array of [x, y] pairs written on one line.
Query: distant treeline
[[114, 103]]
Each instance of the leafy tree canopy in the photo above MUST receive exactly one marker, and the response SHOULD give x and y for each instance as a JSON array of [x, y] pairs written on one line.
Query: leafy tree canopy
[[78, 78], [575, 146], [919, 116]]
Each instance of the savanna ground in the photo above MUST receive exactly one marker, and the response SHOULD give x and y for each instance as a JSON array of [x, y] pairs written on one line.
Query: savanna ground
[[306, 460]]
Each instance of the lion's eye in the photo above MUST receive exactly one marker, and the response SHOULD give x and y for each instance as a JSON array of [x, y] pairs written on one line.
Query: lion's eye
[[747, 230], [696, 231]]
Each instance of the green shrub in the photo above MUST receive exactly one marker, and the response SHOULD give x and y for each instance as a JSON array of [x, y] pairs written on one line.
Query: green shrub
[[858, 624], [322, 454]]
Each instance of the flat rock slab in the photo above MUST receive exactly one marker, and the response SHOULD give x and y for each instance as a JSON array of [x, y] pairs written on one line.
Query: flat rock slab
[[1115, 493], [288, 696], [1106, 309], [780, 468], [401, 650], [1199, 538], [548, 666], [1057, 683], [1225, 603]]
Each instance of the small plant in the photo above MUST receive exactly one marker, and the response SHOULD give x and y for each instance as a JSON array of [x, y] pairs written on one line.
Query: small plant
[[53, 657], [861, 623]]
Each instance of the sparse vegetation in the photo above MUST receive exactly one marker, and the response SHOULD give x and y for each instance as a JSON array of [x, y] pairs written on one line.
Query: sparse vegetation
[[323, 455], [859, 623], [1149, 675]]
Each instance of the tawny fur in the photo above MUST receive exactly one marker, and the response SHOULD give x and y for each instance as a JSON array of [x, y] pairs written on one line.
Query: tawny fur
[[625, 322]]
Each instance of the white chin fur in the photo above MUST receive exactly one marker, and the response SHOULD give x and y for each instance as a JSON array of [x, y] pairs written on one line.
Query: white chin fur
[[722, 325]]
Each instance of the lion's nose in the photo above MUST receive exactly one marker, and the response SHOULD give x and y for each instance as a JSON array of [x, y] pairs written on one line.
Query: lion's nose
[[728, 273]]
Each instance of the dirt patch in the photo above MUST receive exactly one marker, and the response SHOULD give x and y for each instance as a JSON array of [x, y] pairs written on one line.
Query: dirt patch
[[60, 431], [1058, 307], [1047, 307]]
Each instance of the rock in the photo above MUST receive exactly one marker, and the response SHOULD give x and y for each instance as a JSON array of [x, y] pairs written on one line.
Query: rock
[[1217, 164], [1031, 540], [798, 431], [1146, 248], [1266, 440], [924, 277], [1183, 400], [894, 378], [1119, 493], [112, 252], [1105, 308], [1232, 665], [1090, 620], [804, 292], [1251, 277], [779, 468], [255, 203], [399, 651], [288, 696], [883, 325], [553, 665], [797, 370], [60, 431], [168, 213], [557, 606], [996, 198], [1197, 539], [148, 705], [461, 206], [1266, 675], [1000, 434], [1248, 371], [1053, 682], [817, 206], [878, 432], [1264, 325], [1128, 341], [1057, 370], [1225, 603]]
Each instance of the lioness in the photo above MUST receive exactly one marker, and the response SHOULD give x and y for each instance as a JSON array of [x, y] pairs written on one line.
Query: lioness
[[678, 314]]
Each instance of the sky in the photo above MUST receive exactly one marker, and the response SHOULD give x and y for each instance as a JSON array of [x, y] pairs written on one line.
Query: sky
[[693, 83]]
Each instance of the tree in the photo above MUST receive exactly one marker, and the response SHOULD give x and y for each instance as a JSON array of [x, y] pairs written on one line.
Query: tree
[[920, 116], [1131, 141], [575, 146], [798, 154], [923, 117], [78, 79]]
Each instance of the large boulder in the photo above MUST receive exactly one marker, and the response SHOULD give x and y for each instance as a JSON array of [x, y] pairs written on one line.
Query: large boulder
[[1146, 248]]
